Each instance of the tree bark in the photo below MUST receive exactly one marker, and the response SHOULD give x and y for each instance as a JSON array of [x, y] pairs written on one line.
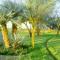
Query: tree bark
[[14, 30], [58, 29], [30, 33], [38, 28], [58, 32], [29, 30], [33, 34], [38, 32], [5, 36]]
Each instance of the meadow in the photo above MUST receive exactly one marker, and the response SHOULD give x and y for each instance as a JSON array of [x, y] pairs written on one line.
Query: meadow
[[39, 52]]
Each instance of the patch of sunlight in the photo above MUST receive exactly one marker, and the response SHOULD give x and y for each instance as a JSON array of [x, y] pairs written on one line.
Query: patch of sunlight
[[57, 47], [53, 50], [38, 42], [54, 40]]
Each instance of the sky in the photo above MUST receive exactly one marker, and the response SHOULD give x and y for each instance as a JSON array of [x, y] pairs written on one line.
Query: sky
[[57, 10], [57, 6], [18, 1]]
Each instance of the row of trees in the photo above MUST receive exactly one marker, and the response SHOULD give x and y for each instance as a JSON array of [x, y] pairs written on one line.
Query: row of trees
[[37, 12]]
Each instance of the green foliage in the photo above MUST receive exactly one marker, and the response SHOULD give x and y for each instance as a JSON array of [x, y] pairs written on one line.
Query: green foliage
[[36, 12]]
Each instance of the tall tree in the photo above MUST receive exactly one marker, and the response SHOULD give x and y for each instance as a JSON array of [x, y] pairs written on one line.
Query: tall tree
[[9, 11], [13, 10], [4, 31], [37, 10]]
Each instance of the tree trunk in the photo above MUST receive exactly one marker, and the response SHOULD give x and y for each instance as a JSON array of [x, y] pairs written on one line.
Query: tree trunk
[[38, 28], [38, 32], [33, 34], [58, 29], [5, 36], [58, 32], [29, 30], [14, 30], [30, 33]]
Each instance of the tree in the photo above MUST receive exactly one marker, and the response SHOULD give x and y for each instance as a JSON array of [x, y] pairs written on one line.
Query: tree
[[14, 10], [36, 10], [54, 23], [4, 31], [8, 11]]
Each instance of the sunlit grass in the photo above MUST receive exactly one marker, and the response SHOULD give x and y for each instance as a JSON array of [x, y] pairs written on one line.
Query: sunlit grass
[[39, 52]]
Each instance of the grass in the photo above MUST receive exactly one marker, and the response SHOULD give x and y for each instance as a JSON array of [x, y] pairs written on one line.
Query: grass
[[39, 52]]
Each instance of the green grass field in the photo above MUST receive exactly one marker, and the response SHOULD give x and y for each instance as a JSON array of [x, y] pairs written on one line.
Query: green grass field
[[39, 52]]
